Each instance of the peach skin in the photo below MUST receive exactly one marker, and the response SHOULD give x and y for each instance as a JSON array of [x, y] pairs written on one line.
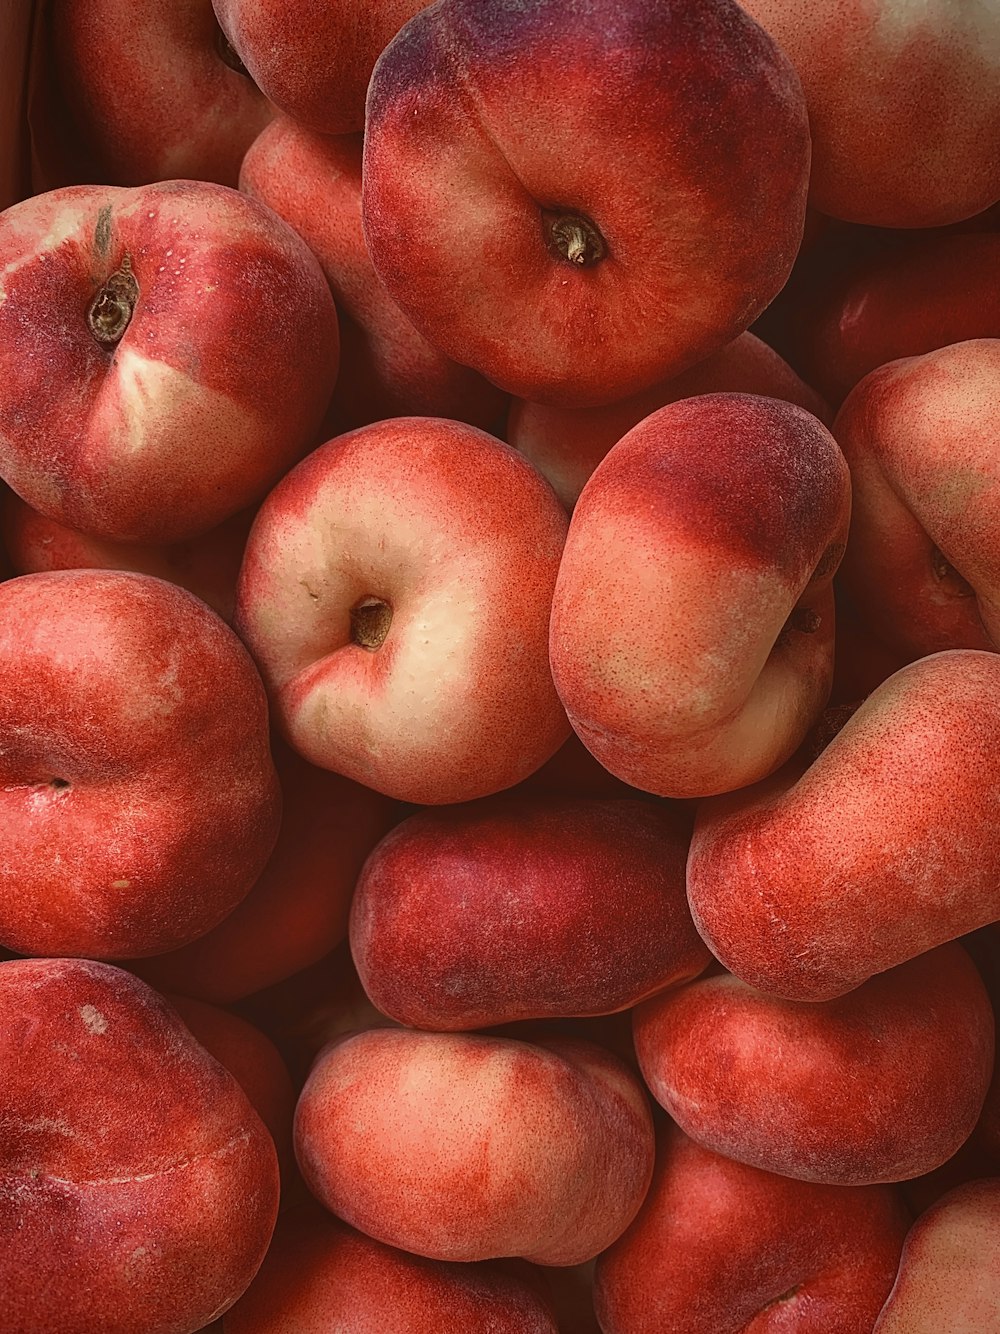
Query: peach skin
[[321, 1275], [521, 907], [722, 1248], [904, 105], [567, 444], [462, 1146], [922, 439], [138, 1187], [893, 301], [692, 623], [314, 60], [156, 91], [880, 1085], [387, 368], [949, 1272], [138, 795], [883, 848]]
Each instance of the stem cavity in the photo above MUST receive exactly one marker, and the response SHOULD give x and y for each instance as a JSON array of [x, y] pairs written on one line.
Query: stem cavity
[[573, 238], [109, 313], [370, 621]]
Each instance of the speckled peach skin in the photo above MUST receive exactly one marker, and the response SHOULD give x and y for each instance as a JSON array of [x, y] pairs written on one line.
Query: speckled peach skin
[[321, 1275], [567, 444], [297, 909], [692, 623], [313, 58], [138, 1187], [139, 800], [882, 1084], [949, 1273], [206, 566], [149, 89], [459, 1146], [904, 105], [922, 439], [387, 368], [219, 379], [900, 301], [723, 1248], [254, 1062], [524, 908], [458, 537], [883, 848], [651, 119]]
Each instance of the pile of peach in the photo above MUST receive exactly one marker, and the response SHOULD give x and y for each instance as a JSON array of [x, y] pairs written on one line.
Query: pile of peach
[[499, 691]]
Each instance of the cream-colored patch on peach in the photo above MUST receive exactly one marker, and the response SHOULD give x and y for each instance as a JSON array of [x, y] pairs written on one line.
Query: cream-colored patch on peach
[[69, 223], [93, 1020], [971, 25], [143, 390]]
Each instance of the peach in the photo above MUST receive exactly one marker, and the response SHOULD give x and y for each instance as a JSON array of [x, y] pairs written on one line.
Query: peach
[[882, 1084], [923, 558], [881, 849], [320, 1275], [581, 201], [395, 593], [314, 60], [567, 444], [948, 1273], [138, 1187], [723, 1248], [387, 368], [904, 105], [139, 797], [207, 566], [520, 908], [154, 91], [297, 909], [468, 1147], [692, 621], [169, 353]]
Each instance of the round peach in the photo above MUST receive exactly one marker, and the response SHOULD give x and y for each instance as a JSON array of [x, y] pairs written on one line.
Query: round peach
[[138, 1187]]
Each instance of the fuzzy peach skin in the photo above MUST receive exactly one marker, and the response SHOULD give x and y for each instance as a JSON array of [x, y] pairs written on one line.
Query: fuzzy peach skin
[[138, 1187], [297, 909], [949, 1273], [171, 351], [138, 797], [459, 1146], [154, 90], [692, 622], [723, 1248], [314, 58], [395, 593], [387, 368], [321, 1275], [897, 301], [883, 848], [254, 1062], [922, 439], [522, 907], [207, 566], [882, 1084], [904, 105], [567, 444], [582, 200]]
